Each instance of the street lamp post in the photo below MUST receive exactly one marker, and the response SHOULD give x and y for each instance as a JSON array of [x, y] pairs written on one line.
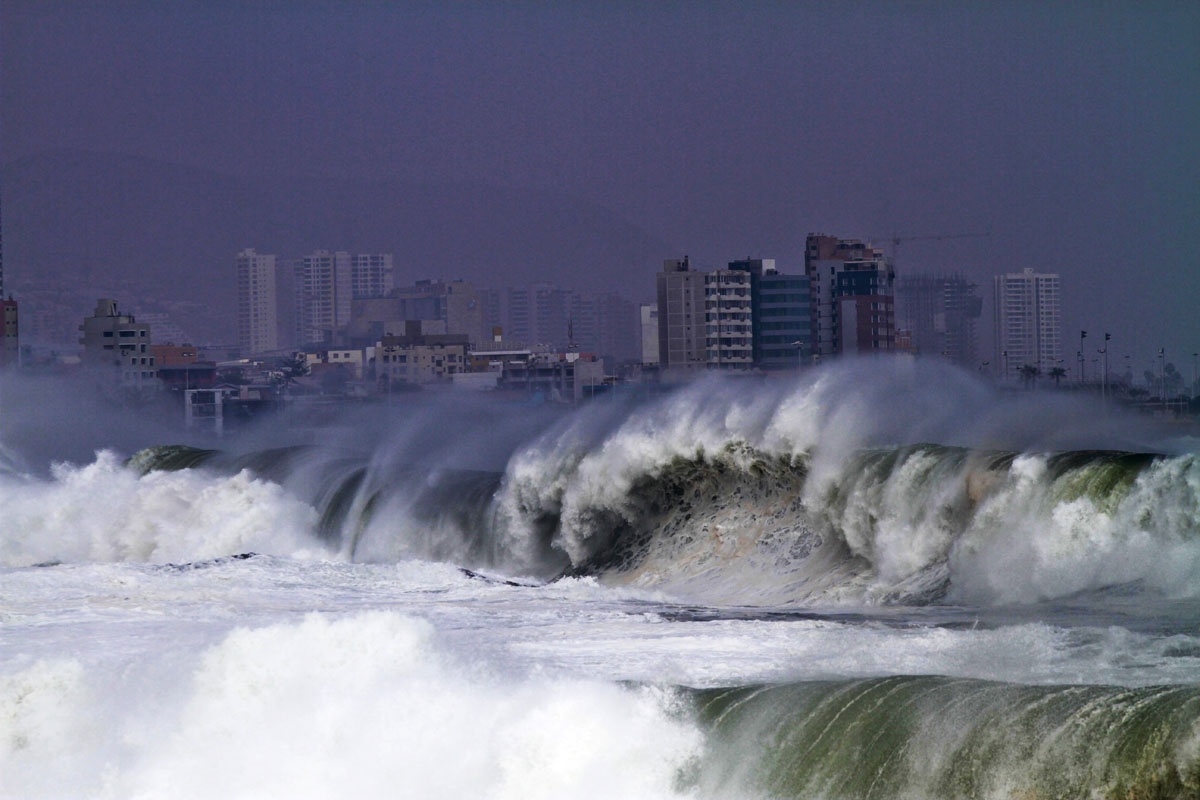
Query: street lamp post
[[1162, 376], [799, 354], [1104, 379], [1082, 362]]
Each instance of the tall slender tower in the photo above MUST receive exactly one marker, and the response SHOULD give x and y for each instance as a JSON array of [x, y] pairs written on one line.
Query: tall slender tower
[[682, 324], [1028, 321], [257, 309], [324, 291]]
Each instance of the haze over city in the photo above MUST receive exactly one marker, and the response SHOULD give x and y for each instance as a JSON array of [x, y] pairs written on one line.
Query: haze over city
[[602, 400], [147, 142]]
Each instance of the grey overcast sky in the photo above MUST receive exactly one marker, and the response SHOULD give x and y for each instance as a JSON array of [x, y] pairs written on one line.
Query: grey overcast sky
[[1070, 131]]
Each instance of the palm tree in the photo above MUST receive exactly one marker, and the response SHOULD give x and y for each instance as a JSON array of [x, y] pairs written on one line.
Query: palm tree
[[1058, 373], [1029, 374]]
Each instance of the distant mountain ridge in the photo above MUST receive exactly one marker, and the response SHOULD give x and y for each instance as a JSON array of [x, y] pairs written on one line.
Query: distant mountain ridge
[[173, 230]]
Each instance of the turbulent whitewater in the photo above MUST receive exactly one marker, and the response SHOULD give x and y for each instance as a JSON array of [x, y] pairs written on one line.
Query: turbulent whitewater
[[873, 582]]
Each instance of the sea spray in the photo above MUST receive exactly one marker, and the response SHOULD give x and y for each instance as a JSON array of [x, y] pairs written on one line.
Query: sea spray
[[793, 492], [105, 511], [366, 705]]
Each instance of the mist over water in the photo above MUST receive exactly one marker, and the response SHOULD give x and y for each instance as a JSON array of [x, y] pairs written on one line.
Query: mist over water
[[672, 596]]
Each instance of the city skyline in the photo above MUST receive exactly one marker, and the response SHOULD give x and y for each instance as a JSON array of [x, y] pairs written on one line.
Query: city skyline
[[597, 141]]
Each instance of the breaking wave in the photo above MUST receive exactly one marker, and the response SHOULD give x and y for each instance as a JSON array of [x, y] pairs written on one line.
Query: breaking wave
[[370, 705], [825, 491], [942, 738], [374, 703]]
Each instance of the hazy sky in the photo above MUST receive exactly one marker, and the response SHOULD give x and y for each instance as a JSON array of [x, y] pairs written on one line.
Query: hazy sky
[[1070, 131]]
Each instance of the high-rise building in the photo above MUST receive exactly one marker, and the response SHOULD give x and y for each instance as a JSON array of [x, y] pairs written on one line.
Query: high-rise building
[[491, 302], [782, 321], [118, 346], [681, 316], [649, 312], [940, 313], [257, 321], [1028, 319], [616, 327], [542, 314], [324, 290], [729, 319], [371, 274], [453, 305], [852, 296]]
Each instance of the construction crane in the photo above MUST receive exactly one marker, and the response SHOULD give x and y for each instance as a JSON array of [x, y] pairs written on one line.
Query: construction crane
[[897, 238]]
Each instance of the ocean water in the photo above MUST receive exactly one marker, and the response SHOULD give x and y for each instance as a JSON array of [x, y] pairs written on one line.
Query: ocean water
[[874, 581]]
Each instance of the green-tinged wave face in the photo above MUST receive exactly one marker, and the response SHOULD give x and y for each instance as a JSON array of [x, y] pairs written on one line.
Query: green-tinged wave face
[[1103, 477], [931, 737], [912, 525], [169, 458]]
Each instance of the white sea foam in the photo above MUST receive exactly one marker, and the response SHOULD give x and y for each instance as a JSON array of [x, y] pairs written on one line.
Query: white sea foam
[[105, 512], [362, 706], [1015, 537]]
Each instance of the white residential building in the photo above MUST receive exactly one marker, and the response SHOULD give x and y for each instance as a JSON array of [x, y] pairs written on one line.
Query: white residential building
[[371, 275], [728, 319], [257, 321], [1028, 318], [324, 290]]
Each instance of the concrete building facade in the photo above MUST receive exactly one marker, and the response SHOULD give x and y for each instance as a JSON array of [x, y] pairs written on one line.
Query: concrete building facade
[[257, 320], [649, 318], [324, 289], [729, 319], [418, 358], [681, 316], [852, 296], [940, 313], [454, 306], [1028, 321], [782, 321], [371, 275], [117, 346]]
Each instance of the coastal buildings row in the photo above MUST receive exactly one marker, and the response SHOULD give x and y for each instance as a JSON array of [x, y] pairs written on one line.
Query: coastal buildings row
[[848, 300], [339, 299], [748, 314], [752, 315]]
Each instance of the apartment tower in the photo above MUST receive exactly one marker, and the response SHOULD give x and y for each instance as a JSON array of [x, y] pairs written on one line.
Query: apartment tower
[[681, 316], [257, 321], [1028, 319], [852, 287], [940, 313]]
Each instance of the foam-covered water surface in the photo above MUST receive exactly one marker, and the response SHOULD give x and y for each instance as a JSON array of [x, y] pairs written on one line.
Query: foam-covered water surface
[[887, 582]]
